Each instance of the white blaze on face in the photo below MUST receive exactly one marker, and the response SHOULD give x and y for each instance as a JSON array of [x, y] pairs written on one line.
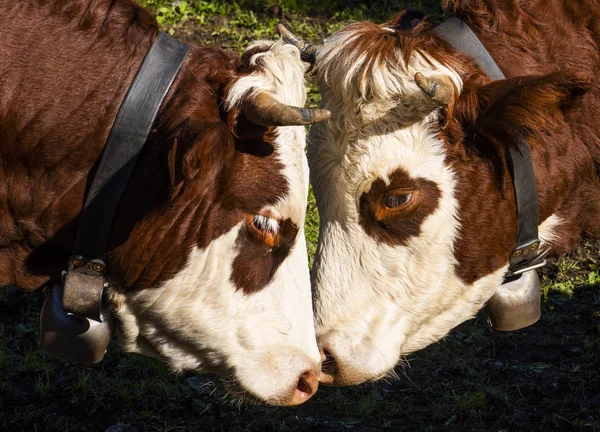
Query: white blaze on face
[[374, 301], [200, 320]]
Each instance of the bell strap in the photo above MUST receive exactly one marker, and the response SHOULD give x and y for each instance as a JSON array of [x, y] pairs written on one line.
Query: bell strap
[[526, 255]]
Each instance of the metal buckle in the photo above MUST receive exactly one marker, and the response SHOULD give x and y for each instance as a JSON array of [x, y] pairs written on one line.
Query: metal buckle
[[525, 258], [83, 287]]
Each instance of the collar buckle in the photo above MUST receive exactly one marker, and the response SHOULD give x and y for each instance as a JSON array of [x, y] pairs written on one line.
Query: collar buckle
[[84, 286], [526, 257]]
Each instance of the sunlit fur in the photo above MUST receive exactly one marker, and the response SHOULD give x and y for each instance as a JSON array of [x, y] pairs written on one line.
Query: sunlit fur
[[374, 302], [199, 320]]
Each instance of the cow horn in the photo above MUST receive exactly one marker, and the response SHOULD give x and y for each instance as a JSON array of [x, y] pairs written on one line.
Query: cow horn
[[439, 88], [263, 109], [308, 51]]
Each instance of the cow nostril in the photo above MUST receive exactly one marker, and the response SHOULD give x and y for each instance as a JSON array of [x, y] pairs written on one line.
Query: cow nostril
[[305, 388], [304, 383]]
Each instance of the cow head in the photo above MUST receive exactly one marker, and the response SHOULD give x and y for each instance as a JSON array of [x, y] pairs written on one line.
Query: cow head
[[417, 209], [224, 252]]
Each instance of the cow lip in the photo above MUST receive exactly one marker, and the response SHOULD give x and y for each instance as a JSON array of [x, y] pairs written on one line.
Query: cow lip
[[327, 379], [328, 368]]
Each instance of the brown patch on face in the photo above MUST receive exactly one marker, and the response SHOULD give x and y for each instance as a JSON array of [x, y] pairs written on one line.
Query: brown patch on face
[[393, 213], [259, 258], [487, 217]]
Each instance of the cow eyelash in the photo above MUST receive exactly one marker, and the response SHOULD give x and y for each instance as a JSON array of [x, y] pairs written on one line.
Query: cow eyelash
[[265, 224]]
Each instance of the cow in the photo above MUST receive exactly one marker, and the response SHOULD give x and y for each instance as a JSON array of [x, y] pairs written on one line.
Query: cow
[[411, 178], [206, 260]]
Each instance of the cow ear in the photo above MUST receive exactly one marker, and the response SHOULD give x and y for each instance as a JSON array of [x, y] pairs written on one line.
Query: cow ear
[[504, 109], [175, 165]]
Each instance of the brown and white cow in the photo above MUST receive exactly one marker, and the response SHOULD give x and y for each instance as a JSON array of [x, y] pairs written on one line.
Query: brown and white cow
[[207, 259], [416, 202]]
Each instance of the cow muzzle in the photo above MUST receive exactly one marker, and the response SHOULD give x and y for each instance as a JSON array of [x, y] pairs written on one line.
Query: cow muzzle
[[69, 336], [516, 304]]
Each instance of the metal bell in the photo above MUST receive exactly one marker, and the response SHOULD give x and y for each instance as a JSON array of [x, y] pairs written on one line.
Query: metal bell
[[516, 304], [68, 336]]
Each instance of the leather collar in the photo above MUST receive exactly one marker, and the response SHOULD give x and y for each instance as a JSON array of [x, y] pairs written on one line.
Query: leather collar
[[526, 255], [72, 326]]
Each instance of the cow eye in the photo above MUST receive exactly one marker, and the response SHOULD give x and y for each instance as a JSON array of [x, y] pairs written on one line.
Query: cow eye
[[265, 229], [397, 199], [265, 224]]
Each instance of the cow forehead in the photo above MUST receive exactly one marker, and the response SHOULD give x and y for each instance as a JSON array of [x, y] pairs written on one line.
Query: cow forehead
[[273, 67], [295, 171], [382, 121], [366, 63], [369, 157], [415, 149]]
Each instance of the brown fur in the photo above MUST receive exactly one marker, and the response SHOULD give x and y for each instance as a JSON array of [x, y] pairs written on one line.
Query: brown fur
[[555, 109], [245, 270], [551, 99], [66, 68]]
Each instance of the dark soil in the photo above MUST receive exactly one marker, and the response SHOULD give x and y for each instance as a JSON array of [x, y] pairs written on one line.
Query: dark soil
[[543, 378]]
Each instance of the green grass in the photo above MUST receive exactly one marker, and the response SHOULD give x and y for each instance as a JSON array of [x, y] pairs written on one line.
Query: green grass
[[542, 378]]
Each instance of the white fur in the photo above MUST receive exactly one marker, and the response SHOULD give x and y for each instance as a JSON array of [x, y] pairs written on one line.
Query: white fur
[[199, 320], [374, 302], [547, 231]]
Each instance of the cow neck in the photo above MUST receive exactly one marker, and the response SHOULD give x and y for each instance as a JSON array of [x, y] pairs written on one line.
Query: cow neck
[[526, 255], [84, 281]]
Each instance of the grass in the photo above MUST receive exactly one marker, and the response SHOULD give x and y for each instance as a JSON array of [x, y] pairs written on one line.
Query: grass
[[543, 378]]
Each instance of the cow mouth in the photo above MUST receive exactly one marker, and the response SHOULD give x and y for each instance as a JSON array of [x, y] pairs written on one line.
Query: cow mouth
[[336, 371], [255, 384], [328, 368]]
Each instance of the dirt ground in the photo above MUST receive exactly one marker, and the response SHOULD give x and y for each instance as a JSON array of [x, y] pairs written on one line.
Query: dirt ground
[[545, 377]]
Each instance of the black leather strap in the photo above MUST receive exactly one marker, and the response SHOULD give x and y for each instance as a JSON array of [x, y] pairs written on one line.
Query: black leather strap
[[462, 39], [84, 281], [526, 254], [125, 142]]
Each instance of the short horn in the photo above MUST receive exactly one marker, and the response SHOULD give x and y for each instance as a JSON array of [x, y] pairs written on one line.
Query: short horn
[[263, 109], [308, 51], [439, 88]]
